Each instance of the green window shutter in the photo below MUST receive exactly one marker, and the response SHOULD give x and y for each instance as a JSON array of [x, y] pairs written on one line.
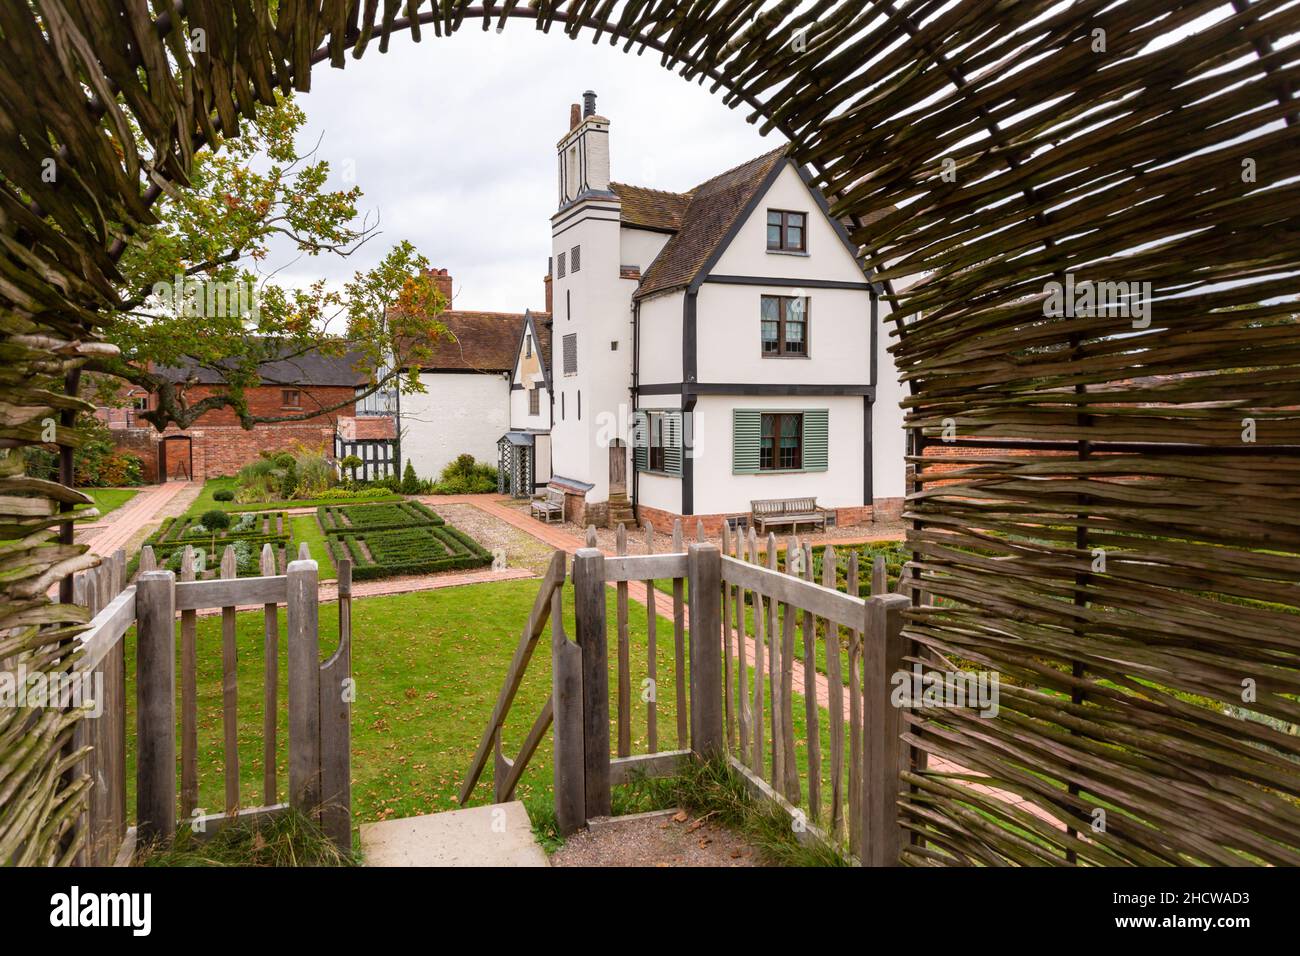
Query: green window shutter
[[640, 441], [746, 435], [673, 443], [816, 429]]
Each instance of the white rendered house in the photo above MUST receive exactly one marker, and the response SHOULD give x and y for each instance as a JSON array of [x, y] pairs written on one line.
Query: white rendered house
[[713, 347]]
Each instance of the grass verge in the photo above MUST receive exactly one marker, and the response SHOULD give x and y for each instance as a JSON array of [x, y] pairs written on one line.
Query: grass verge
[[290, 839], [108, 500]]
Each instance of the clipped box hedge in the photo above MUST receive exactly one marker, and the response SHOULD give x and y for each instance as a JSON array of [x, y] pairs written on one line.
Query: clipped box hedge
[[248, 533], [188, 529], [342, 519], [424, 549]]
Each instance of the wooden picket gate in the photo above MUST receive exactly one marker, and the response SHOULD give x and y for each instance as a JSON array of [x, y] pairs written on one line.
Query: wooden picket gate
[[727, 695], [319, 701]]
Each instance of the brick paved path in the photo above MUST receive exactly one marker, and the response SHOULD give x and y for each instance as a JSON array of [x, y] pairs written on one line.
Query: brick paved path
[[123, 524]]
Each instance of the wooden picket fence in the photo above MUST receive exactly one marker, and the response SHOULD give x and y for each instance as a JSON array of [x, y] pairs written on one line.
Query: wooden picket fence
[[735, 686], [318, 700]]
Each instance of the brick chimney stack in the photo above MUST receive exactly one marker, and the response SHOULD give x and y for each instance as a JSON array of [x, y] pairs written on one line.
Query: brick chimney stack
[[575, 116], [442, 282], [550, 309]]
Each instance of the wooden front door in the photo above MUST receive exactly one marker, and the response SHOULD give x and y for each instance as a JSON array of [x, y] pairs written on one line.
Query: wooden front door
[[618, 468]]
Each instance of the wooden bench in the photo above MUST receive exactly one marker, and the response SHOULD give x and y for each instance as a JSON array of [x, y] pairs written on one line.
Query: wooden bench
[[548, 507], [787, 511]]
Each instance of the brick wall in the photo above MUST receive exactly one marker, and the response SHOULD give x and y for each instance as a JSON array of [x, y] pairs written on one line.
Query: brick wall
[[844, 517], [267, 400], [223, 450], [218, 445]]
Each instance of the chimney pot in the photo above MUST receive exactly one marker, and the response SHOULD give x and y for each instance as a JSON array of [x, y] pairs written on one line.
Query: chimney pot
[[588, 104]]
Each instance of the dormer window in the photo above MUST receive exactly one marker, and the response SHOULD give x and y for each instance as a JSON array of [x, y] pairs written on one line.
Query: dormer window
[[787, 231]]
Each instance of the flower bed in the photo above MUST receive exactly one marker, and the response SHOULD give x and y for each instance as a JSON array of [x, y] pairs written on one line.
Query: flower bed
[[423, 549], [340, 519]]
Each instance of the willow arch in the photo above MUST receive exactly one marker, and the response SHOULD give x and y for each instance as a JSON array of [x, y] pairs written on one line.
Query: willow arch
[[1124, 550]]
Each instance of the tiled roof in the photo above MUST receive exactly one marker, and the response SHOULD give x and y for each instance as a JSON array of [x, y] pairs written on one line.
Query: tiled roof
[[713, 208], [310, 368], [368, 428], [479, 342], [651, 208]]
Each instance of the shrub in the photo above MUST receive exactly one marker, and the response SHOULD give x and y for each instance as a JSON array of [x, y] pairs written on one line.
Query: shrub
[[465, 476], [41, 463], [410, 483], [313, 473], [215, 520], [223, 494]]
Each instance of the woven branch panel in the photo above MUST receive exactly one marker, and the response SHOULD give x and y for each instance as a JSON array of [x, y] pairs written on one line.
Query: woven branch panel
[[1085, 217]]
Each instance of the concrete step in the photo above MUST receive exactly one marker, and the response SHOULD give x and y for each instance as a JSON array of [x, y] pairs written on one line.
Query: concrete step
[[493, 835]]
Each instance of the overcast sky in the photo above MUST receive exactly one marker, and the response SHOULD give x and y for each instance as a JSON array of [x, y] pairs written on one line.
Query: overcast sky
[[453, 144]]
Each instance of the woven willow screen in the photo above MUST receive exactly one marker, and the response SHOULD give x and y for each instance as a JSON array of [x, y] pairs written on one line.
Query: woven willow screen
[[1087, 214]]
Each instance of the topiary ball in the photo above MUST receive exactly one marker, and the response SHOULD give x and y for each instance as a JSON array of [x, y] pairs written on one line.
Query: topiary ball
[[215, 520], [225, 494]]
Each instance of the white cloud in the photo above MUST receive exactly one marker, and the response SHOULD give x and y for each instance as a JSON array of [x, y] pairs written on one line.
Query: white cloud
[[453, 143]]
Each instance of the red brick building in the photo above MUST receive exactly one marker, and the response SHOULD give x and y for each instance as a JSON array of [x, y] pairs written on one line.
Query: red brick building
[[216, 444]]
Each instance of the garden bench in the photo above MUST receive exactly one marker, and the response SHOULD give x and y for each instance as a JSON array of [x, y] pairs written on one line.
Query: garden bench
[[548, 507], [787, 511]]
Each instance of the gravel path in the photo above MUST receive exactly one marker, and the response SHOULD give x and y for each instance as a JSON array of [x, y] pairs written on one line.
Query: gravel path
[[669, 838], [522, 549]]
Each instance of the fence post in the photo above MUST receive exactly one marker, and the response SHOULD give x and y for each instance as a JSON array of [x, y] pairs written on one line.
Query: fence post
[[883, 650], [589, 613], [304, 687], [704, 573], [155, 729], [336, 724], [566, 704]]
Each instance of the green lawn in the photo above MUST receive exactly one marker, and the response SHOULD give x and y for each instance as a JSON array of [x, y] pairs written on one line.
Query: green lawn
[[110, 499], [205, 501], [428, 667], [307, 528]]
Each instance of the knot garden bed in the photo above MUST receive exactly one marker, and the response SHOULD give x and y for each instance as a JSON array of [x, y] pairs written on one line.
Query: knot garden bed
[[247, 535], [336, 519], [387, 540]]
